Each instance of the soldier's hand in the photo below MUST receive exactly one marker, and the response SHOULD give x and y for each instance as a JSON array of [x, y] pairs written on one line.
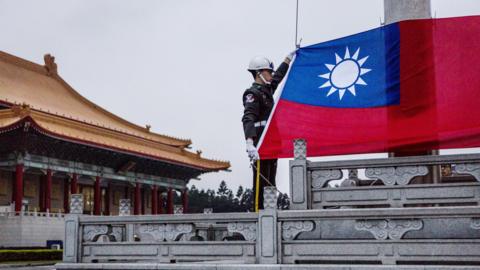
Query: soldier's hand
[[290, 56], [252, 150]]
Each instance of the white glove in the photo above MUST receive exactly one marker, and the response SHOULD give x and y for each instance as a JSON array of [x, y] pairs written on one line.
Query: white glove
[[291, 55], [252, 150]]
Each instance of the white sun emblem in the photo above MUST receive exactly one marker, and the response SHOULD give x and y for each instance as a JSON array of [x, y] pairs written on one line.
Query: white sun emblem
[[345, 74]]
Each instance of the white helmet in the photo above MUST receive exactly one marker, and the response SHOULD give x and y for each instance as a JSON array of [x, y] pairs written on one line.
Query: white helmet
[[259, 63]]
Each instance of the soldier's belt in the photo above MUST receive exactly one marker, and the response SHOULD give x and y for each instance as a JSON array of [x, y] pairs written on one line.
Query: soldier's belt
[[260, 123]]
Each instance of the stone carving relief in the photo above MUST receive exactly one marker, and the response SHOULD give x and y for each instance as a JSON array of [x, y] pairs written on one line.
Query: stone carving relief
[[76, 204], [396, 175], [291, 229], [469, 168], [96, 233], [300, 149], [92, 232], [321, 177], [393, 229], [270, 197], [475, 224], [198, 235], [117, 233], [164, 232], [247, 229]]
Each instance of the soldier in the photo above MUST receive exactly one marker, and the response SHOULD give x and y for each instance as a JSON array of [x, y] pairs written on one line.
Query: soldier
[[258, 103]]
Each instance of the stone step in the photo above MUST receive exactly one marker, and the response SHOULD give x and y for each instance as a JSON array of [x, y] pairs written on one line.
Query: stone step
[[228, 266]]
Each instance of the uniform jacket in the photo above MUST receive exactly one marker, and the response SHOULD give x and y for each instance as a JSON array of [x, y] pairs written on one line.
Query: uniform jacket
[[258, 103]]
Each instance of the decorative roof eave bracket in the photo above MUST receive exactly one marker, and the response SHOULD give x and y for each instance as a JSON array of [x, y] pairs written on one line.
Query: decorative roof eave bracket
[[40, 162]]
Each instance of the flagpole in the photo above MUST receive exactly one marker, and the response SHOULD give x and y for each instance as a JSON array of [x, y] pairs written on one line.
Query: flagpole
[[297, 45], [257, 186]]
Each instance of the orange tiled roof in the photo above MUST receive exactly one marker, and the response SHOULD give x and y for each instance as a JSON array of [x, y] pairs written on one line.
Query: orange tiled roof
[[58, 109]]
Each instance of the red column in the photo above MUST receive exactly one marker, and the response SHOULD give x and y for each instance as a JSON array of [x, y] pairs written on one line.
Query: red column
[[73, 184], [185, 200], [107, 199], [170, 201], [41, 199], [136, 206], [13, 187], [143, 200], [154, 200], [160, 209], [48, 190], [18, 187], [97, 197], [66, 202]]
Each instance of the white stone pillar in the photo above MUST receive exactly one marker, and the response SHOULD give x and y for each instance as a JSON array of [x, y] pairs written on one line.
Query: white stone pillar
[[398, 10], [300, 187]]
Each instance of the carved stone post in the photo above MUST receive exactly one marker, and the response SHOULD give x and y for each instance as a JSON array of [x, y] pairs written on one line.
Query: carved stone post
[[270, 197], [124, 208], [299, 183], [178, 209], [76, 204], [267, 238], [71, 246], [70, 249]]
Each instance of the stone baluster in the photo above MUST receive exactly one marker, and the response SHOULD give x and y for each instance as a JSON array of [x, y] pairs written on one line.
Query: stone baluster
[[76, 204], [70, 250], [300, 187], [124, 207], [178, 209], [267, 240]]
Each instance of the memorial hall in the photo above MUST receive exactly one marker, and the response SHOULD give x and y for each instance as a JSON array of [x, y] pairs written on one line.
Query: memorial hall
[[54, 142]]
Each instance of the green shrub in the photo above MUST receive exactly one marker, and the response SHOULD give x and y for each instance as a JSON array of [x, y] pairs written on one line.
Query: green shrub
[[9, 255]]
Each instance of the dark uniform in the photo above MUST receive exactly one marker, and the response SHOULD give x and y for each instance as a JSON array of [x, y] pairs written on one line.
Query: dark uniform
[[258, 103]]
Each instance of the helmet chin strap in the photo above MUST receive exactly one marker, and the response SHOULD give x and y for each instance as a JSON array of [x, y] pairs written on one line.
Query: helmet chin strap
[[263, 79]]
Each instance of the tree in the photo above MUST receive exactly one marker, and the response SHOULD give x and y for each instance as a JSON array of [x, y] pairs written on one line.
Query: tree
[[283, 202], [222, 189], [221, 201], [239, 192]]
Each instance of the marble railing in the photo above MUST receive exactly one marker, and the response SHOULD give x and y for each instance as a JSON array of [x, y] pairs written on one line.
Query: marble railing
[[161, 238], [435, 235], [370, 221], [32, 214], [425, 235], [387, 182]]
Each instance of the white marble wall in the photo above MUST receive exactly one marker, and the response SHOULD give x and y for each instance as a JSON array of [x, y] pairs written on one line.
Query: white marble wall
[[30, 231]]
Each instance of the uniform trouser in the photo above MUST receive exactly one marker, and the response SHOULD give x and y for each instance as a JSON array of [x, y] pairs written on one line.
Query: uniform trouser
[[268, 168]]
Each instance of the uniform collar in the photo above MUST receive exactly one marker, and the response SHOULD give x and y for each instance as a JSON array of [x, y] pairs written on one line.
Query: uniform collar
[[257, 85], [262, 87]]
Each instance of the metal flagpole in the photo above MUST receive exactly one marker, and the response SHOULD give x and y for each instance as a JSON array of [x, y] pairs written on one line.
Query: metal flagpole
[[257, 186], [297, 44]]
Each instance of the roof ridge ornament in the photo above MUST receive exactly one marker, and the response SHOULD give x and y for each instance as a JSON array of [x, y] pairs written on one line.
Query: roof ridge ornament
[[50, 64], [21, 110]]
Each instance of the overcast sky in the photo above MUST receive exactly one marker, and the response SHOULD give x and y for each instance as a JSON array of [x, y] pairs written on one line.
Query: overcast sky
[[180, 66]]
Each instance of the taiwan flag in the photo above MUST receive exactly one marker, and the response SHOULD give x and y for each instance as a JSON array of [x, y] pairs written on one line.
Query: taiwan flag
[[408, 86]]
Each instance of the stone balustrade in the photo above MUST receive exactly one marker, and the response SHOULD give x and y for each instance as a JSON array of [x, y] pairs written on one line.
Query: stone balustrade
[[388, 182], [449, 234], [384, 217], [162, 238]]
